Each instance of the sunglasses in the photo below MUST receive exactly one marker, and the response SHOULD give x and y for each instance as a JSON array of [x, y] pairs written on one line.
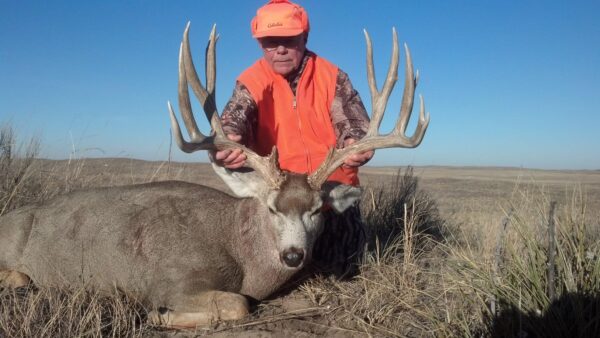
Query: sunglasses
[[270, 44]]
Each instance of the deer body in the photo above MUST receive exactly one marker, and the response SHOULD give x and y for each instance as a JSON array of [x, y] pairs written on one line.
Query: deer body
[[150, 239]]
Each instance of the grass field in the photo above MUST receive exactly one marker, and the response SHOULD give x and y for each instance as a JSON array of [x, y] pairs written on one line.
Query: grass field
[[453, 252]]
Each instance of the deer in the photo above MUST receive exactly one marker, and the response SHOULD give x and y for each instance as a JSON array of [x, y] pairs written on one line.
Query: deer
[[193, 254]]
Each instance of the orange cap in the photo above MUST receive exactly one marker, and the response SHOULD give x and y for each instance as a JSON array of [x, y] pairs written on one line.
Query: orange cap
[[279, 18]]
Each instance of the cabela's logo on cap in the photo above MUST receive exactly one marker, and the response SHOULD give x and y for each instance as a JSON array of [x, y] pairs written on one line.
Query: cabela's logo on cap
[[274, 24]]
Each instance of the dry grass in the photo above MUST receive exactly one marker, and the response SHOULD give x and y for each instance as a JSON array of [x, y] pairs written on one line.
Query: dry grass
[[388, 296], [16, 187], [454, 252], [27, 312], [544, 278]]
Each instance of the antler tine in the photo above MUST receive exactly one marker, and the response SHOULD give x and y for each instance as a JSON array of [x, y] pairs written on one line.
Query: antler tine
[[373, 140], [421, 125], [211, 77], [198, 140], [380, 98], [202, 143], [371, 68], [206, 96], [410, 83], [187, 69], [210, 66]]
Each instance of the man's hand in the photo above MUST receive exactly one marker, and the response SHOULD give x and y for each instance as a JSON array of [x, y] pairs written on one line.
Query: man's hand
[[358, 159], [231, 159]]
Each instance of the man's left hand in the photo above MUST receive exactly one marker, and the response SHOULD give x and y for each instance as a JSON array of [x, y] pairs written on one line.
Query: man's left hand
[[358, 159]]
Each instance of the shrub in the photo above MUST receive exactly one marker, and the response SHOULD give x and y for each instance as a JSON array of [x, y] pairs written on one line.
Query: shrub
[[387, 207]]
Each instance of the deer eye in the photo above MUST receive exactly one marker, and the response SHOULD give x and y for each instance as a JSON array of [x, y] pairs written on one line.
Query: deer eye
[[272, 211]]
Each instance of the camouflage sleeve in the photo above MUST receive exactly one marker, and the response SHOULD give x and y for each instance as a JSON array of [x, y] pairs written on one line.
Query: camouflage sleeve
[[348, 114], [239, 114]]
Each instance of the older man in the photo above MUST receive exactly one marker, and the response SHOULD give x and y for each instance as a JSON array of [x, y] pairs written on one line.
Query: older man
[[304, 105]]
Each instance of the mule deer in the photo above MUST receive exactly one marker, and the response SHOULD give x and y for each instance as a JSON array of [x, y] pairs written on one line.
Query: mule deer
[[191, 251]]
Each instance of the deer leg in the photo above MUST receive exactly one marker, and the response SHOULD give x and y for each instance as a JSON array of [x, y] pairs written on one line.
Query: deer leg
[[13, 279], [202, 310]]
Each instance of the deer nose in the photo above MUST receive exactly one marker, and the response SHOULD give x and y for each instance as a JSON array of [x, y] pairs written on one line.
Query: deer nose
[[292, 257]]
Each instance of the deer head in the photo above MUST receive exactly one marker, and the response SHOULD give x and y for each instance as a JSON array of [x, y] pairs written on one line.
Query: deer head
[[290, 203]]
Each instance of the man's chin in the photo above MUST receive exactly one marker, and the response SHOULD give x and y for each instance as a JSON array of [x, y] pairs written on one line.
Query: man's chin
[[282, 70]]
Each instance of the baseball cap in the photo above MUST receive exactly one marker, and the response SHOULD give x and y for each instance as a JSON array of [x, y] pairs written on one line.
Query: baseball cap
[[279, 18]]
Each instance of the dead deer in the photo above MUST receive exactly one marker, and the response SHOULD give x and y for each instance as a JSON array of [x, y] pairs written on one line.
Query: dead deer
[[192, 253]]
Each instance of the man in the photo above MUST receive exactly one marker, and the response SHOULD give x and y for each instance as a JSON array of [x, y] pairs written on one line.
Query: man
[[304, 105]]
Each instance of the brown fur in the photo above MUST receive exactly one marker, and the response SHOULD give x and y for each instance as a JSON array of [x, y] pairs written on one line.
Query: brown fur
[[296, 195]]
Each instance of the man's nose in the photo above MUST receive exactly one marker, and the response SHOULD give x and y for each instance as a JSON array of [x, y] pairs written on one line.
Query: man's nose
[[281, 49]]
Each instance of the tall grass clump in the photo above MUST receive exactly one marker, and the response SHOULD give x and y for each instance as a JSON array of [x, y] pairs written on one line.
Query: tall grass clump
[[18, 185], [387, 207], [542, 281], [26, 179], [69, 313], [389, 296]]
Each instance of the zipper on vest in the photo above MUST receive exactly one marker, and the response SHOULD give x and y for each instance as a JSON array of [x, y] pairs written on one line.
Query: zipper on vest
[[306, 152]]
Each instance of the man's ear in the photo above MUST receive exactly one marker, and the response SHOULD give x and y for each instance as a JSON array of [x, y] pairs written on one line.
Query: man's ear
[[341, 196]]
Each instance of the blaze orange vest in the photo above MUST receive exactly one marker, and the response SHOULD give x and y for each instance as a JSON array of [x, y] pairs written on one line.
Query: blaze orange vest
[[299, 126]]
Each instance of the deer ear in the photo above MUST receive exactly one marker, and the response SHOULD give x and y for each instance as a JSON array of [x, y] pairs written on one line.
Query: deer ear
[[341, 196], [243, 182]]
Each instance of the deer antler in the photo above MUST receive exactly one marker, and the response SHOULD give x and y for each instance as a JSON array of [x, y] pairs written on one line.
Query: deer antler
[[372, 140], [267, 167]]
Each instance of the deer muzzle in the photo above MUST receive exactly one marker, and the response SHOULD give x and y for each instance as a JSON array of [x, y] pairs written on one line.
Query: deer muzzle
[[292, 257]]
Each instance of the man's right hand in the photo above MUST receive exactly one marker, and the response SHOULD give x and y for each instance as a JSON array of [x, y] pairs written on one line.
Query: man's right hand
[[231, 159]]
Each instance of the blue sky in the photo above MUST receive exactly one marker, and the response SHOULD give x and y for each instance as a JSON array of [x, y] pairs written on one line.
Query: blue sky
[[507, 83]]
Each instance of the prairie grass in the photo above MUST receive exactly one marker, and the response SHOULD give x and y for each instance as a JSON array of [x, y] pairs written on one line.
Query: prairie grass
[[17, 187], [24, 179], [541, 279], [390, 296], [27, 312]]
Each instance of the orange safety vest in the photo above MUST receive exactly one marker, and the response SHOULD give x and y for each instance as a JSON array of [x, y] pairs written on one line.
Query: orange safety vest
[[299, 126]]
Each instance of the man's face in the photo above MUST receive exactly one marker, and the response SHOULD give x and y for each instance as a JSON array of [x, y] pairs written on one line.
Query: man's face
[[284, 54]]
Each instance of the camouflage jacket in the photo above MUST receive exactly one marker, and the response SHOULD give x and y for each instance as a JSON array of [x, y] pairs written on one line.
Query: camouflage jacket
[[348, 115]]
